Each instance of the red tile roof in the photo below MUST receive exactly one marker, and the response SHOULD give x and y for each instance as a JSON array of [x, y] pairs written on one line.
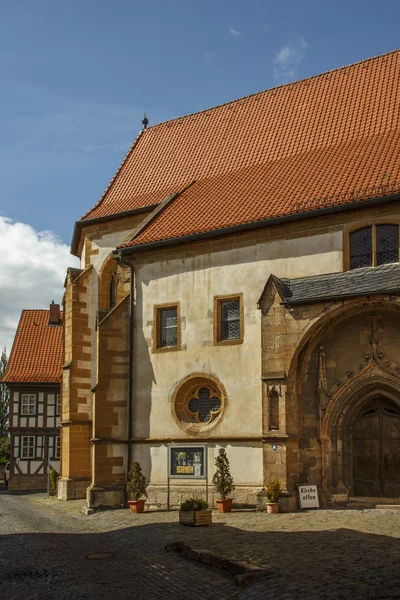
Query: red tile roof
[[334, 136], [37, 352]]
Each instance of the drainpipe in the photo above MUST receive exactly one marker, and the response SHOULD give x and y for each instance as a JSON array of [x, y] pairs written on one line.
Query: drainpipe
[[130, 382]]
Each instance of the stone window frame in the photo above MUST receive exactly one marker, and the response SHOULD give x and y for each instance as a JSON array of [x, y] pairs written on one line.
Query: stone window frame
[[348, 230], [31, 449], [182, 394], [35, 404], [157, 348], [217, 323]]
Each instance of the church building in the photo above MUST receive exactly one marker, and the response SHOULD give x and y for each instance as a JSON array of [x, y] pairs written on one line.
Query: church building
[[239, 288]]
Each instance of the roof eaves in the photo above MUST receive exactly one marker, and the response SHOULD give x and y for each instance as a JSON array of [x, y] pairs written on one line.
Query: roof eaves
[[333, 297], [297, 216], [79, 224]]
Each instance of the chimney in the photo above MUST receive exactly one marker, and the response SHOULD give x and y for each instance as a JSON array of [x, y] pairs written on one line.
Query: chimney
[[54, 318]]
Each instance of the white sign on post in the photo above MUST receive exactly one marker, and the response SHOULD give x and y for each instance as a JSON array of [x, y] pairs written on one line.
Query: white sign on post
[[308, 496]]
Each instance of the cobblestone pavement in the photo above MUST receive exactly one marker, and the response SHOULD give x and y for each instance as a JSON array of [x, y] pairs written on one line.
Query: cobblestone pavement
[[44, 546]]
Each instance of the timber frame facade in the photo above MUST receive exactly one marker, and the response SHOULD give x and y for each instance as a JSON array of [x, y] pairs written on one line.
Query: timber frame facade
[[35, 437]]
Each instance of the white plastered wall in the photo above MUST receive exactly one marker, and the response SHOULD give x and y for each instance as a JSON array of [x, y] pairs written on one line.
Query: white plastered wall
[[194, 281]]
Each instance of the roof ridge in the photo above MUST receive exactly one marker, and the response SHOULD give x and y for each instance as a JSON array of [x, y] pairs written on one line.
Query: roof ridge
[[276, 87]]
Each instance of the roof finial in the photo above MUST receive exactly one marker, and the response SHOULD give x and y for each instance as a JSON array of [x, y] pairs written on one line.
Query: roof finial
[[145, 121]]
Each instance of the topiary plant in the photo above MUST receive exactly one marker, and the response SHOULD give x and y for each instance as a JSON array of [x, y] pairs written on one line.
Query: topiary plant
[[53, 478], [273, 490], [136, 482], [222, 479], [194, 504]]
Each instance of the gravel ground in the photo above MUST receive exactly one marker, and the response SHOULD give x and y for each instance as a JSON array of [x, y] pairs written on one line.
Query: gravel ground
[[44, 548]]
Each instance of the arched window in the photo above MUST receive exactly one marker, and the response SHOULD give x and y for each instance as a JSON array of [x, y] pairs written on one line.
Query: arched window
[[374, 245], [273, 410], [113, 288]]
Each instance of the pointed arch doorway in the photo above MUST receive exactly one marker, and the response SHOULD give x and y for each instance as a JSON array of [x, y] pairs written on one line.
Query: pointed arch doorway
[[376, 449]]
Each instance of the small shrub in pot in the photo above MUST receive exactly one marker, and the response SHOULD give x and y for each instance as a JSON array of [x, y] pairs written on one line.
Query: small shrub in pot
[[137, 487], [273, 491], [223, 482]]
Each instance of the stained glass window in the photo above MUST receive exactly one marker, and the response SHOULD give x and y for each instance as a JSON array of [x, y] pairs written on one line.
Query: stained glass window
[[168, 327], [361, 248], [230, 319], [387, 244]]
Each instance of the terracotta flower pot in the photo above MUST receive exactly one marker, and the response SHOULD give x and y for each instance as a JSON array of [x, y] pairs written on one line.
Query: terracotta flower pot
[[136, 506], [224, 505], [272, 507]]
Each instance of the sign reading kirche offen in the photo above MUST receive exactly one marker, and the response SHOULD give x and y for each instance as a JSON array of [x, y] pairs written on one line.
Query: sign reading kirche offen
[[308, 496]]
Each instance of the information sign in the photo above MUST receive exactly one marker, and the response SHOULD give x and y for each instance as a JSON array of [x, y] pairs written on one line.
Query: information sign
[[187, 462], [308, 496]]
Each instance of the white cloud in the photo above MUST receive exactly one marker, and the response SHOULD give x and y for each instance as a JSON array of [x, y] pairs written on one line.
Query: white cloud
[[288, 59], [33, 266], [234, 32]]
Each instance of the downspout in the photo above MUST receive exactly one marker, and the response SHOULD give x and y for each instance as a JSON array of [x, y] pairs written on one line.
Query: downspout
[[130, 381]]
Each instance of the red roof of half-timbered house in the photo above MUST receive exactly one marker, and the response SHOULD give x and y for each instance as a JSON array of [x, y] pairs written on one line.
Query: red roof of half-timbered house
[[37, 352]]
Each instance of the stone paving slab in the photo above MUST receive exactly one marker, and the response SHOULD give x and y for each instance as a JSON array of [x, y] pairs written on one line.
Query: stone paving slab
[[315, 554]]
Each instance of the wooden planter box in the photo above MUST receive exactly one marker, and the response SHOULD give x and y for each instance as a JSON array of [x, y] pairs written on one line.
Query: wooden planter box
[[195, 518]]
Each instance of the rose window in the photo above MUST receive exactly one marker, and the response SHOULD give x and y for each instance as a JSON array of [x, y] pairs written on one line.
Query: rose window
[[198, 403], [205, 405]]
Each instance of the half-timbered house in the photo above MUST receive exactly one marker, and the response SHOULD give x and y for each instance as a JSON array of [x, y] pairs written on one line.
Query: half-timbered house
[[33, 377]]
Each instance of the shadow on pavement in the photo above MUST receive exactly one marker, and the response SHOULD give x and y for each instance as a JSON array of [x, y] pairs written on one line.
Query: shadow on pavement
[[339, 563]]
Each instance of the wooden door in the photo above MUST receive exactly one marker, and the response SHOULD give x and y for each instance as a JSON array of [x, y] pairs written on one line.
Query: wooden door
[[376, 450]]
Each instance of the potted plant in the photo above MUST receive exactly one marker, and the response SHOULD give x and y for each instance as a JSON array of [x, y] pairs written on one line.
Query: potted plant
[[223, 482], [194, 512], [53, 475], [136, 486], [273, 491]]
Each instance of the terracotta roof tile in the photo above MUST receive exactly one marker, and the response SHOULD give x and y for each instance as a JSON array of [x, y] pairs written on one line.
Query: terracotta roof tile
[[267, 154], [37, 352]]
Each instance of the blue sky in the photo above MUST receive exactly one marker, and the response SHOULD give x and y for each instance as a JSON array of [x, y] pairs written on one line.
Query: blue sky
[[76, 77]]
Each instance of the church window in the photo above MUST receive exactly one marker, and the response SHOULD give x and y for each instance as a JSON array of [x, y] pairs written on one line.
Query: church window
[[204, 404], [374, 245], [167, 331], [198, 403], [113, 289], [387, 244], [228, 319], [273, 410], [361, 248]]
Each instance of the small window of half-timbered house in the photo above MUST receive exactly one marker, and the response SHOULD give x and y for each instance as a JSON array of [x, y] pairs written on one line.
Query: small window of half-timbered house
[[28, 404], [58, 405], [57, 449], [28, 446]]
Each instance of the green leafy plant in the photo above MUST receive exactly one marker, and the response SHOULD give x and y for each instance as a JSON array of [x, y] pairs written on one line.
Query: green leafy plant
[[136, 482], [4, 449], [222, 479], [194, 504], [53, 478], [273, 490]]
